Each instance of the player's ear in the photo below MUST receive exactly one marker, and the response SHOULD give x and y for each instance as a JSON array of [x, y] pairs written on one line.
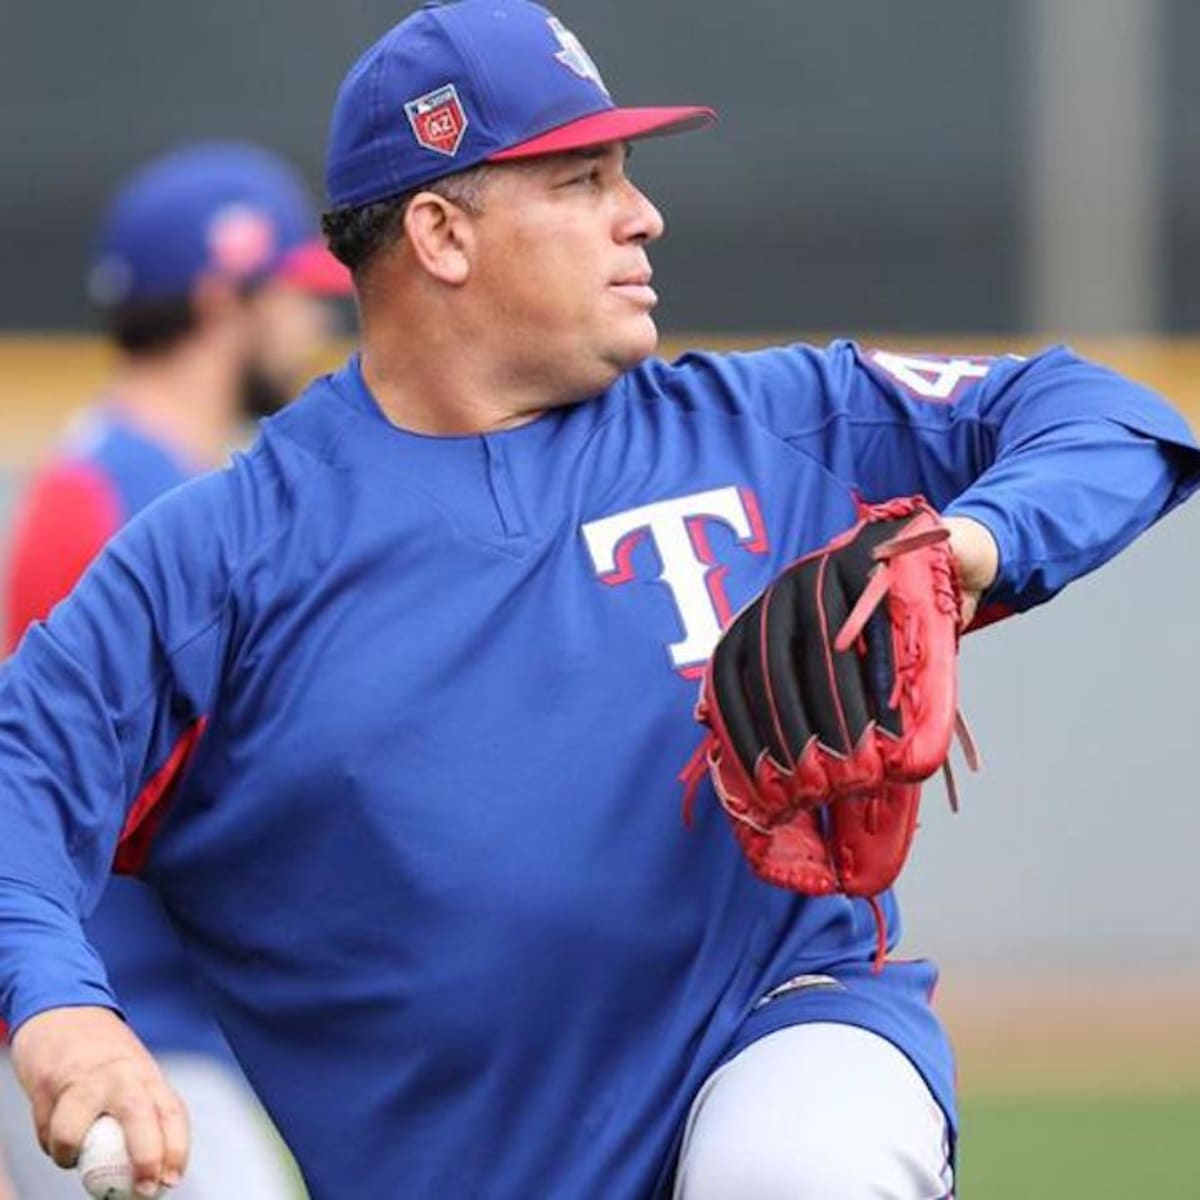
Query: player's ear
[[441, 235]]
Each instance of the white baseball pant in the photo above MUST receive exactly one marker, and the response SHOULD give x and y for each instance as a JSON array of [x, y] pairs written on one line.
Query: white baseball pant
[[821, 1111]]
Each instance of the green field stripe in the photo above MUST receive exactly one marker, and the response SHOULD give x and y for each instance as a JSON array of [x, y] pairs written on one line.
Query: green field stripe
[[1095, 1148]]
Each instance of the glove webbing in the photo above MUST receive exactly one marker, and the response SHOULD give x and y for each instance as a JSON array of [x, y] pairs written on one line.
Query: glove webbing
[[906, 668]]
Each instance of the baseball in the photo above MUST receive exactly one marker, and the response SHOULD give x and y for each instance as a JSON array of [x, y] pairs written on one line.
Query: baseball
[[104, 1165]]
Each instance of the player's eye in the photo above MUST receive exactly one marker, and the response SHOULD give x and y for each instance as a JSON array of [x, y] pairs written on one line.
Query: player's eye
[[586, 178]]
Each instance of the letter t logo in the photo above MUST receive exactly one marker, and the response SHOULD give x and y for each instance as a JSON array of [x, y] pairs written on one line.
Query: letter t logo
[[689, 570]]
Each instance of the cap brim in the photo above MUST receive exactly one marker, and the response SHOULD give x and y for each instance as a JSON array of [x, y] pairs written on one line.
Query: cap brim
[[311, 268], [609, 125]]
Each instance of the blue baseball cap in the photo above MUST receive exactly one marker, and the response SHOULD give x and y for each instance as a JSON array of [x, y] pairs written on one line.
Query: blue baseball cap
[[227, 209], [455, 85]]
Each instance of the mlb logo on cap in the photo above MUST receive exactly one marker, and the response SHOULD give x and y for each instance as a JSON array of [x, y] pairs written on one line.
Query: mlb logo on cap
[[438, 120]]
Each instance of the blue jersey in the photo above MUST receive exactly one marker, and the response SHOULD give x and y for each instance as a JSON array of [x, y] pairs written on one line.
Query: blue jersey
[[104, 473], [414, 708]]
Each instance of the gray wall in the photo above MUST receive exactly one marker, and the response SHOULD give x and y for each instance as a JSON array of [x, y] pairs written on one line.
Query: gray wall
[[871, 170], [1078, 842], [865, 174], [1181, 201]]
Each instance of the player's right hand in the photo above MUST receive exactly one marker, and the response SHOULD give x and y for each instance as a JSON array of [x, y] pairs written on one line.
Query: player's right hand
[[76, 1063]]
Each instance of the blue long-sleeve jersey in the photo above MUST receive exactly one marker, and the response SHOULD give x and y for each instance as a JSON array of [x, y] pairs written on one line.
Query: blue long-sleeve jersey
[[393, 723], [106, 471]]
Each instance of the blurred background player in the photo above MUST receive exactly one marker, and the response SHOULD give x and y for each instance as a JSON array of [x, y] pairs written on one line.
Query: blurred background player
[[213, 288]]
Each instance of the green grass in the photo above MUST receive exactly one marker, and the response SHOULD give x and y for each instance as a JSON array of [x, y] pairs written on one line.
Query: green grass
[[1063, 1148], [1093, 1148]]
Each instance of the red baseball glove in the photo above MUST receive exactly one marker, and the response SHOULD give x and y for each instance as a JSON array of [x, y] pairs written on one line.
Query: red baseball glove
[[831, 697]]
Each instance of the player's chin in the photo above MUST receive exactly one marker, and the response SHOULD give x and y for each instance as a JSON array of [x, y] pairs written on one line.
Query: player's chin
[[638, 340]]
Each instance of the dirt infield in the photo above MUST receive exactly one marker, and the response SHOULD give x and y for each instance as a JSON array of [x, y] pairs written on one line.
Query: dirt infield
[[1131, 1034]]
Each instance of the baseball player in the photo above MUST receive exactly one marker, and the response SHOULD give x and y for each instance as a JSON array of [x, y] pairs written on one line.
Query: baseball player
[[209, 277], [391, 712]]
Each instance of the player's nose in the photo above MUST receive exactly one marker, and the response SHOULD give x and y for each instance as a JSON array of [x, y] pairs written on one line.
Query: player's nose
[[641, 219]]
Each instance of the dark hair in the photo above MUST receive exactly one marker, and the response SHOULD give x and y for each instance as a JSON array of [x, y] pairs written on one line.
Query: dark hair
[[357, 236], [151, 326]]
